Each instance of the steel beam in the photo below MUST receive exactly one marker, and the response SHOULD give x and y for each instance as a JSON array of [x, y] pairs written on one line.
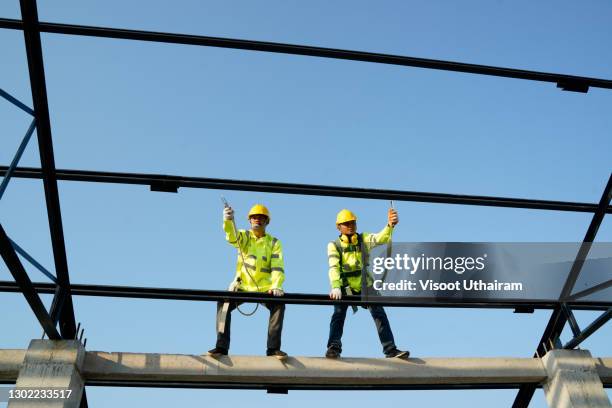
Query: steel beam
[[558, 318], [565, 82], [33, 47], [589, 237], [22, 146], [25, 285], [304, 189], [33, 261], [59, 297], [16, 102], [590, 329], [591, 290], [295, 298]]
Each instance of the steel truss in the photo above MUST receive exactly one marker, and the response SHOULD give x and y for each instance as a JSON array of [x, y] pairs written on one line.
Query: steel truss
[[62, 311]]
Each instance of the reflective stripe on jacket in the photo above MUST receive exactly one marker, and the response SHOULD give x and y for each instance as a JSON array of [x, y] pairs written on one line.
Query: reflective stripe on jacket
[[263, 257], [350, 273]]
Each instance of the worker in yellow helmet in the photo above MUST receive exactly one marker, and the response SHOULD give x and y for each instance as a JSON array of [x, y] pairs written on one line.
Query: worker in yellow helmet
[[346, 257], [259, 268]]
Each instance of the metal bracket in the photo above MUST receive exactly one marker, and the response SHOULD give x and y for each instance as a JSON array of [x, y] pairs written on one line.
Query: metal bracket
[[573, 85], [165, 186], [523, 309], [276, 390]]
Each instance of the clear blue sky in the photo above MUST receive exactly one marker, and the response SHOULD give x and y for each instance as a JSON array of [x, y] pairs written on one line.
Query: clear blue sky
[[185, 110]]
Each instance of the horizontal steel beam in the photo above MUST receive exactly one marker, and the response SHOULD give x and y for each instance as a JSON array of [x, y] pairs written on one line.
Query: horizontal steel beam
[[167, 182], [566, 82], [294, 298]]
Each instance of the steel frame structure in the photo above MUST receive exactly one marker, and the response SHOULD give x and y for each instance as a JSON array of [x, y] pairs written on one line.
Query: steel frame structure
[[62, 311]]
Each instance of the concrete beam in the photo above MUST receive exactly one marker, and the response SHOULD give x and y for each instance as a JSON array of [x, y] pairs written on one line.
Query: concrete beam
[[10, 363], [127, 367], [51, 365], [573, 380], [142, 369]]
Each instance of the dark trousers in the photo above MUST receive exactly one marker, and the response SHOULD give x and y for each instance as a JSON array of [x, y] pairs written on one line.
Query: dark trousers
[[336, 327], [275, 325]]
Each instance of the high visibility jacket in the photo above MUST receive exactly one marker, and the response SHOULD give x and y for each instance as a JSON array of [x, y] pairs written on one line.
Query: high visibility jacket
[[263, 257], [345, 268]]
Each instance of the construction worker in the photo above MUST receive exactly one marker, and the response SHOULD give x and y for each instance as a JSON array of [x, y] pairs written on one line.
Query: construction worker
[[259, 269], [346, 258]]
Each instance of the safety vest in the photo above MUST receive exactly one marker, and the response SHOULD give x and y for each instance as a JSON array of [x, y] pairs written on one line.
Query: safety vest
[[263, 258], [346, 259]]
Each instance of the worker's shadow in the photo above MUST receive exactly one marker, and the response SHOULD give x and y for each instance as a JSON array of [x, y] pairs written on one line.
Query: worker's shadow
[[213, 361], [227, 361], [292, 362], [119, 362], [295, 363], [383, 362]]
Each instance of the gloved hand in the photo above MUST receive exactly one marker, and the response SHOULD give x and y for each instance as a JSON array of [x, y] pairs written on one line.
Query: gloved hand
[[392, 217], [335, 294], [228, 213], [233, 287], [276, 292]]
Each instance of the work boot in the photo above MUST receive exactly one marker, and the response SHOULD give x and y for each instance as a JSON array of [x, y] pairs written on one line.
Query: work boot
[[280, 355], [217, 352], [395, 353], [332, 352]]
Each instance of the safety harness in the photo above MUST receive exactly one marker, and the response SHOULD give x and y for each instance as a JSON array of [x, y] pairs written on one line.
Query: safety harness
[[344, 275]]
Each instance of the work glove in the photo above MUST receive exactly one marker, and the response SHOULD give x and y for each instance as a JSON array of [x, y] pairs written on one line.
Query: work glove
[[276, 292], [335, 294], [392, 217], [233, 287], [228, 213]]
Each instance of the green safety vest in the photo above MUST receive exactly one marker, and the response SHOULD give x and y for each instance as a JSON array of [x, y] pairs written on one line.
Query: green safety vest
[[346, 260], [263, 258]]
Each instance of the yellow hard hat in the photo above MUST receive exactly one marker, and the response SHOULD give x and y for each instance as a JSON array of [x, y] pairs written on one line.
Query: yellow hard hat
[[259, 209], [345, 216]]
